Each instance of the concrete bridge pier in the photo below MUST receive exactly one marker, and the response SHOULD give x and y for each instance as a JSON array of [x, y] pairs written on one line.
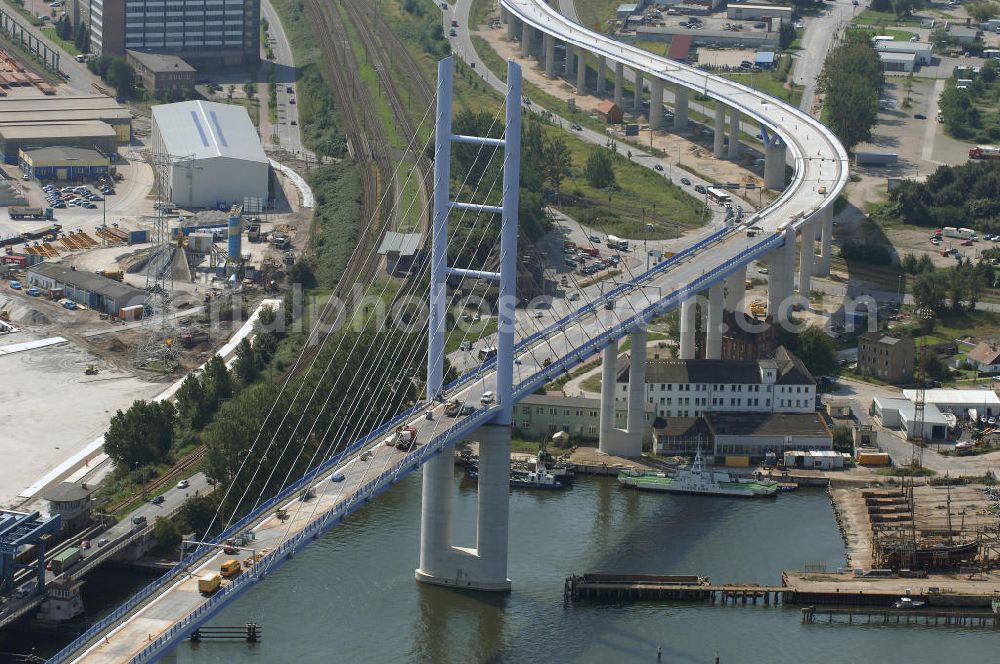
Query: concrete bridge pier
[[526, 34], [734, 133], [602, 74], [568, 65], [680, 108], [550, 55], [822, 268], [807, 252], [513, 28], [609, 371], [735, 286], [581, 72], [718, 149], [775, 282], [619, 83], [637, 99], [788, 262], [624, 442], [485, 566], [713, 327], [687, 344], [655, 104], [774, 165]]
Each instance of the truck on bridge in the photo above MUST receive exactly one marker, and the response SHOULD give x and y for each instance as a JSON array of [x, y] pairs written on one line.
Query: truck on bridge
[[20, 212], [987, 152], [402, 438], [65, 559]]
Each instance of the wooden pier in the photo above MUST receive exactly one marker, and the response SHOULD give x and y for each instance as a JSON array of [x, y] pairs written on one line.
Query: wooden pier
[[900, 616], [623, 587]]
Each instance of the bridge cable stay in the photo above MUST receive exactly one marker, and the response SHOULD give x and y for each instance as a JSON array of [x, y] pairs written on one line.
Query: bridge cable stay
[[335, 445], [341, 341], [324, 312], [358, 393], [437, 424]]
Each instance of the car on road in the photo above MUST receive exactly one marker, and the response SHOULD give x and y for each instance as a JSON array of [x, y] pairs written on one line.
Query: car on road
[[658, 167], [102, 541], [576, 127], [452, 32], [288, 89], [596, 239], [293, 123], [291, 100], [85, 544], [33, 292], [685, 181], [466, 410], [454, 23], [763, 270], [183, 484], [700, 189], [157, 500], [487, 398], [338, 477], [919, 116], [16, 285]]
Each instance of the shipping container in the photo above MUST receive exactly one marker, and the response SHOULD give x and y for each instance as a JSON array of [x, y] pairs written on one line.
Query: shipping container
[[738, 461], [65, 559], [873, 459], [131, 313], [209, 583], [138, 237]]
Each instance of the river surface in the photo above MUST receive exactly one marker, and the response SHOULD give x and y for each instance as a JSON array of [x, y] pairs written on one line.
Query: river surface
[[351, 596]]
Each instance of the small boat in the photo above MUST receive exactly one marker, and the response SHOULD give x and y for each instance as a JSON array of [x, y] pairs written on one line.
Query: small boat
[[908, 602], [535, 479], [698, 480]]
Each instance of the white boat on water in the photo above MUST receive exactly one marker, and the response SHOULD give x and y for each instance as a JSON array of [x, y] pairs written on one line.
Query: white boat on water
[[908, 602], [698, 480]]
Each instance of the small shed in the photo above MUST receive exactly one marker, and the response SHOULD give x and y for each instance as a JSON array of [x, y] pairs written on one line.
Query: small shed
[[626, 10], [764, 59], [610, 112]]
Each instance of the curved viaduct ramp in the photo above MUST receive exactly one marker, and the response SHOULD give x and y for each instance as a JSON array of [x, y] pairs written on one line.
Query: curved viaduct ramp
[[819, 159]]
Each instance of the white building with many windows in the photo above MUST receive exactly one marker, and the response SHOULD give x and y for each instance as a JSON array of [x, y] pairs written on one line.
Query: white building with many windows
[[691, 388]]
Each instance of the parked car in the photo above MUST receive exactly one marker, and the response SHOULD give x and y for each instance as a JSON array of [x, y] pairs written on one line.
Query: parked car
[[157, 501], [16, 285], [685, 181], [183, 484], [658, 167], [919, 116]]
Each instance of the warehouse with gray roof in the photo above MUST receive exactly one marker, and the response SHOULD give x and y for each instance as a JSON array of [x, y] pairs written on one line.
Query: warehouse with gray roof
[[219, 159], [86, 288]]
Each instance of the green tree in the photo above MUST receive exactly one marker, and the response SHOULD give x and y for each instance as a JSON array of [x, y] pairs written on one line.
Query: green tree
[[910, 264], [193, 408], [558, 162], [982, 11], [884, 6], [246, 366], [786, 34], [843, 438], [197, 512], [166, 534], [122, 77], [851, 79], [930, 291], [906, 7], [600, 172], [817, 351], [218, 382], [141, 435]]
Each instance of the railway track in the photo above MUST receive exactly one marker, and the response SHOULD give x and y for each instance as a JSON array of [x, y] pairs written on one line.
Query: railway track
[[183, 464]]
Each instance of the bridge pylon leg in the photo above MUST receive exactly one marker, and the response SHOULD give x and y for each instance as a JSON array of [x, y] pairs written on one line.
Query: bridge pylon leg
[[680, 108], [719, 144]]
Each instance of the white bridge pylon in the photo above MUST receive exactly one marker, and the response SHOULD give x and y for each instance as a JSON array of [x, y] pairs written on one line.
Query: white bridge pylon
[[485, 566]]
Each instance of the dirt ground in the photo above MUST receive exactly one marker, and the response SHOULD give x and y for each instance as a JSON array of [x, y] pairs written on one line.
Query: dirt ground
[[693, 148]]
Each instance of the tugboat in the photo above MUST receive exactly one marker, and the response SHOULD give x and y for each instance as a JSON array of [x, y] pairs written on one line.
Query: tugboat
[[562, 474], [540, 478], [697, 480], [906, 602]]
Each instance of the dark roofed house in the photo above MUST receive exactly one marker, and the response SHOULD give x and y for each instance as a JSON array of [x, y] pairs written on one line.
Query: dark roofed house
[[885, 356], [986, 356], [400, 251], [748, 339], [161, 72], [610, 112], [71, 502]]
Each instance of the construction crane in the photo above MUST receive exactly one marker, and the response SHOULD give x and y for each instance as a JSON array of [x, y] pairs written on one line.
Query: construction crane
[[156, 349], [919, 403]]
